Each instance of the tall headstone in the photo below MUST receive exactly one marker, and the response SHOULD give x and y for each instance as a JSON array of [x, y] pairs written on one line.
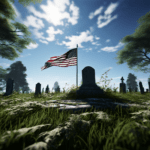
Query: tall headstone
[[9, 87], [149, 85], [136, 89], [89, 89], [141, 88], [47, 89], [38, 89], [122, 86], [147, 90]]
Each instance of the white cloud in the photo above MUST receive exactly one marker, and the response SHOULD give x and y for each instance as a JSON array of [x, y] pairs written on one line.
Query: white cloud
[[58, 43], [97, 11], [32, 46], [75, 14], [108, 40], [34, 22], [106, 16], [51, 33], [97, 38], [74, 40], [43, 41], [111, 8], [54, 12], [93, 43], [38, 34], [112, 49]]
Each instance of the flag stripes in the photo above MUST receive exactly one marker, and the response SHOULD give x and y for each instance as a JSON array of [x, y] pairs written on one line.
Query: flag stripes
[[65, 60]]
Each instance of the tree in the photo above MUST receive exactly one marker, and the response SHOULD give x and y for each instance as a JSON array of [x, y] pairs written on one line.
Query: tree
[[27, 2], [25, 88], [16, 73], [131, 82], [7, 33], [133, 52], [3, 73]]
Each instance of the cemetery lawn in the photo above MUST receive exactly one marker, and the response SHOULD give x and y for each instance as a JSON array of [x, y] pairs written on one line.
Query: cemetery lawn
[[100, 134]]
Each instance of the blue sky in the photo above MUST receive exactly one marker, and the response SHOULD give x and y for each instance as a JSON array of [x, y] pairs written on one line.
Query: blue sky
[[95, 25]]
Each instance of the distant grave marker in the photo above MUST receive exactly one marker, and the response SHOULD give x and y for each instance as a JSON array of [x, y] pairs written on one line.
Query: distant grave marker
[[9, 87], [38, 89]]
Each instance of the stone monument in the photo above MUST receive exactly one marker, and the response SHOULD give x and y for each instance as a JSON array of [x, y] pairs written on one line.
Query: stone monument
[[89, 89], [122, 86], [9, 87], [38, 89]]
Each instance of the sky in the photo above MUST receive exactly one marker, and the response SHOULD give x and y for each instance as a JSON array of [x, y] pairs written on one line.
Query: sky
[[97, 26]]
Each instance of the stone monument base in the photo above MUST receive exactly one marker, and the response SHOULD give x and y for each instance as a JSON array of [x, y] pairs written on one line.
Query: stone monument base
[[89, 92]]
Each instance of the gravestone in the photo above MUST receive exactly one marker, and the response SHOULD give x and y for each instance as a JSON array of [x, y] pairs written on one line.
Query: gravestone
[[136, 89], [57, 89], [47, 89], [9, 87], [147, 90], [141, 88], [89, 89], [122, 86], [38, 89], [149, 85]]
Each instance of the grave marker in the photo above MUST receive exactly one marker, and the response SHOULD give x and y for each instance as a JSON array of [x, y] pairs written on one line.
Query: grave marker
[[89, 89], [149, 85], [38, 89], [141, 88], [47, 89], [122, 86], [9, 87]]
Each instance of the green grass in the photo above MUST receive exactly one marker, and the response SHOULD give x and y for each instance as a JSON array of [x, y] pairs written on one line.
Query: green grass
[[101, 134]]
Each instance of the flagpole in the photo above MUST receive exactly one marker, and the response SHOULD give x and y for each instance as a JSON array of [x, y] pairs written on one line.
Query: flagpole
[[77, 70]]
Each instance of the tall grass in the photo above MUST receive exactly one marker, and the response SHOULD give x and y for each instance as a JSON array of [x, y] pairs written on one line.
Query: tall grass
[[101, 134]]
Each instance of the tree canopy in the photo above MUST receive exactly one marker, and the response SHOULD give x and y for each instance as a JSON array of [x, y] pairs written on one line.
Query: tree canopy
[[133, 53], [27, 2], [131, 82], [10, 42], [16, 73]]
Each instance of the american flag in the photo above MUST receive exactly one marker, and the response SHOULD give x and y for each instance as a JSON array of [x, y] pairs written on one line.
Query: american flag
[[65, 60]]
